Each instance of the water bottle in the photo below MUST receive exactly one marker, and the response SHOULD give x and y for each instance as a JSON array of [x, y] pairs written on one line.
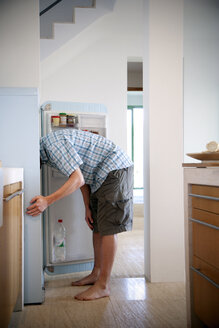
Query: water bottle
[[59, 243]]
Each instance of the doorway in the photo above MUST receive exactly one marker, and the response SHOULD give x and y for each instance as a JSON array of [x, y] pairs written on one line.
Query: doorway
[[135, 118], [129, 260]]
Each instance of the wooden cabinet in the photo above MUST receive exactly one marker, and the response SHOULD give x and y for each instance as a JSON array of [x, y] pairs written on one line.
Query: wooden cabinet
[[206, 293], [202, 247], [205, 248], [11, 254]]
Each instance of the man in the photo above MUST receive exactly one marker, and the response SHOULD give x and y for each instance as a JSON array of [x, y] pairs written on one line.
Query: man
[[104, 173]]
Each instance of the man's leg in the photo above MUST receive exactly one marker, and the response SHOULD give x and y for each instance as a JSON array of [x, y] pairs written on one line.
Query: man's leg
[[94, 275], [107, 255]]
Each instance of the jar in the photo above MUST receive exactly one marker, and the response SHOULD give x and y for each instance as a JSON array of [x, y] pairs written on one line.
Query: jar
[[76, 125], [55, 120], [70, 120], [63, 119]]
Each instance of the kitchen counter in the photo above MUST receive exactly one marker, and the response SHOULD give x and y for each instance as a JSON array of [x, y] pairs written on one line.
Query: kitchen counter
[[11, 243], [8, 176], [201, 203]]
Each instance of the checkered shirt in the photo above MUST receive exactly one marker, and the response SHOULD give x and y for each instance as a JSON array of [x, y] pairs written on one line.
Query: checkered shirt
[[69, 149]]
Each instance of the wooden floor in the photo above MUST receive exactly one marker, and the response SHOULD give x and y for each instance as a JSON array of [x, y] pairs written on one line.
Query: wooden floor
[[133, 301]]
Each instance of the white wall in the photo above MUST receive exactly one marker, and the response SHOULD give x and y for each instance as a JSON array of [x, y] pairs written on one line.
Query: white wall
[[93, 66], [19, 39], [163, 68], [201, 74]]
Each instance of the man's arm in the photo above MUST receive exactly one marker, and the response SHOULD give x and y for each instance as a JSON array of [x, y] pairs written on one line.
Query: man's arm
[[85, 189], [75, 181]]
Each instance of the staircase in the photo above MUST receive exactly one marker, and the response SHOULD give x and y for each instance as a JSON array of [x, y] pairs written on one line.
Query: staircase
[[66, 19]]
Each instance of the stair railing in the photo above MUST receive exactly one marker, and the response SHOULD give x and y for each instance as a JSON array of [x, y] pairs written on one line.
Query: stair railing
[[50, 7]]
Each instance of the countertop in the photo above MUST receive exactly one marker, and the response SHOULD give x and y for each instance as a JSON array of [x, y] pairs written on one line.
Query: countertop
[[201, 164], [8, 176]]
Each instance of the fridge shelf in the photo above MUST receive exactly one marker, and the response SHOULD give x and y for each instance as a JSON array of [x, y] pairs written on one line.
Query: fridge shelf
[[91, 122], [64, 127]]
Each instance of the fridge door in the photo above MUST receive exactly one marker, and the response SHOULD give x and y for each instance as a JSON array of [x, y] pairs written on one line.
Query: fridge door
[[19, 147]]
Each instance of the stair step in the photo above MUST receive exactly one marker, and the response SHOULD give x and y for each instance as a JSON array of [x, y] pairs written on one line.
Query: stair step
[[63, 32], [63, 12]]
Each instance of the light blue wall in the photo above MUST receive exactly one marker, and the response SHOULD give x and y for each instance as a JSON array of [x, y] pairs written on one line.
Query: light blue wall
[[201, 74], [19, 147]]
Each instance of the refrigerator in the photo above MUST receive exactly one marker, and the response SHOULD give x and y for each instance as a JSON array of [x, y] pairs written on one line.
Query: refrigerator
[[19, 147], [79, 246]]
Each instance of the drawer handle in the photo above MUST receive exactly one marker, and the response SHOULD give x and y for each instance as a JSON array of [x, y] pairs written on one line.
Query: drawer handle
[[17, 193], [205, 277], [204, 223], [204, 197]]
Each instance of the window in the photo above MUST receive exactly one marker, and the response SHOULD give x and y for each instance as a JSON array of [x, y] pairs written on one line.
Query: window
[[135, 148]]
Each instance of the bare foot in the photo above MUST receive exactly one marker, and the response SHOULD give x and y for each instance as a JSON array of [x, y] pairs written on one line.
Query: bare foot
[[93, 293], [88, 280]]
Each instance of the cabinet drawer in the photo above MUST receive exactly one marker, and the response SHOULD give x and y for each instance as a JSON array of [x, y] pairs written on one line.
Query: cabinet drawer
[[210, 191], [206, 205], [206, 301], [204, 216], [202, 203], [206, 269], [10, 254], [206, 243]]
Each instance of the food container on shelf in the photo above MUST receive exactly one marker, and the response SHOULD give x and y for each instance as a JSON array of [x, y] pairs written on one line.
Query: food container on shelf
[[63, 119], [70, 120], [55, 120]]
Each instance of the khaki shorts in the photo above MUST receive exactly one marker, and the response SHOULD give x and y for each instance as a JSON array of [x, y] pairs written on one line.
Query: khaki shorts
[[112, 204]]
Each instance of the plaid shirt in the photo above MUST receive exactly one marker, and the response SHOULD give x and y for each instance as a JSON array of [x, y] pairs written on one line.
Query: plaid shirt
[[67, 150]]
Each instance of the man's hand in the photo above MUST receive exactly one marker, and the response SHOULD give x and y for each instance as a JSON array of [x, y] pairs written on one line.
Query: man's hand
[[88, 218], [40, 203]]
